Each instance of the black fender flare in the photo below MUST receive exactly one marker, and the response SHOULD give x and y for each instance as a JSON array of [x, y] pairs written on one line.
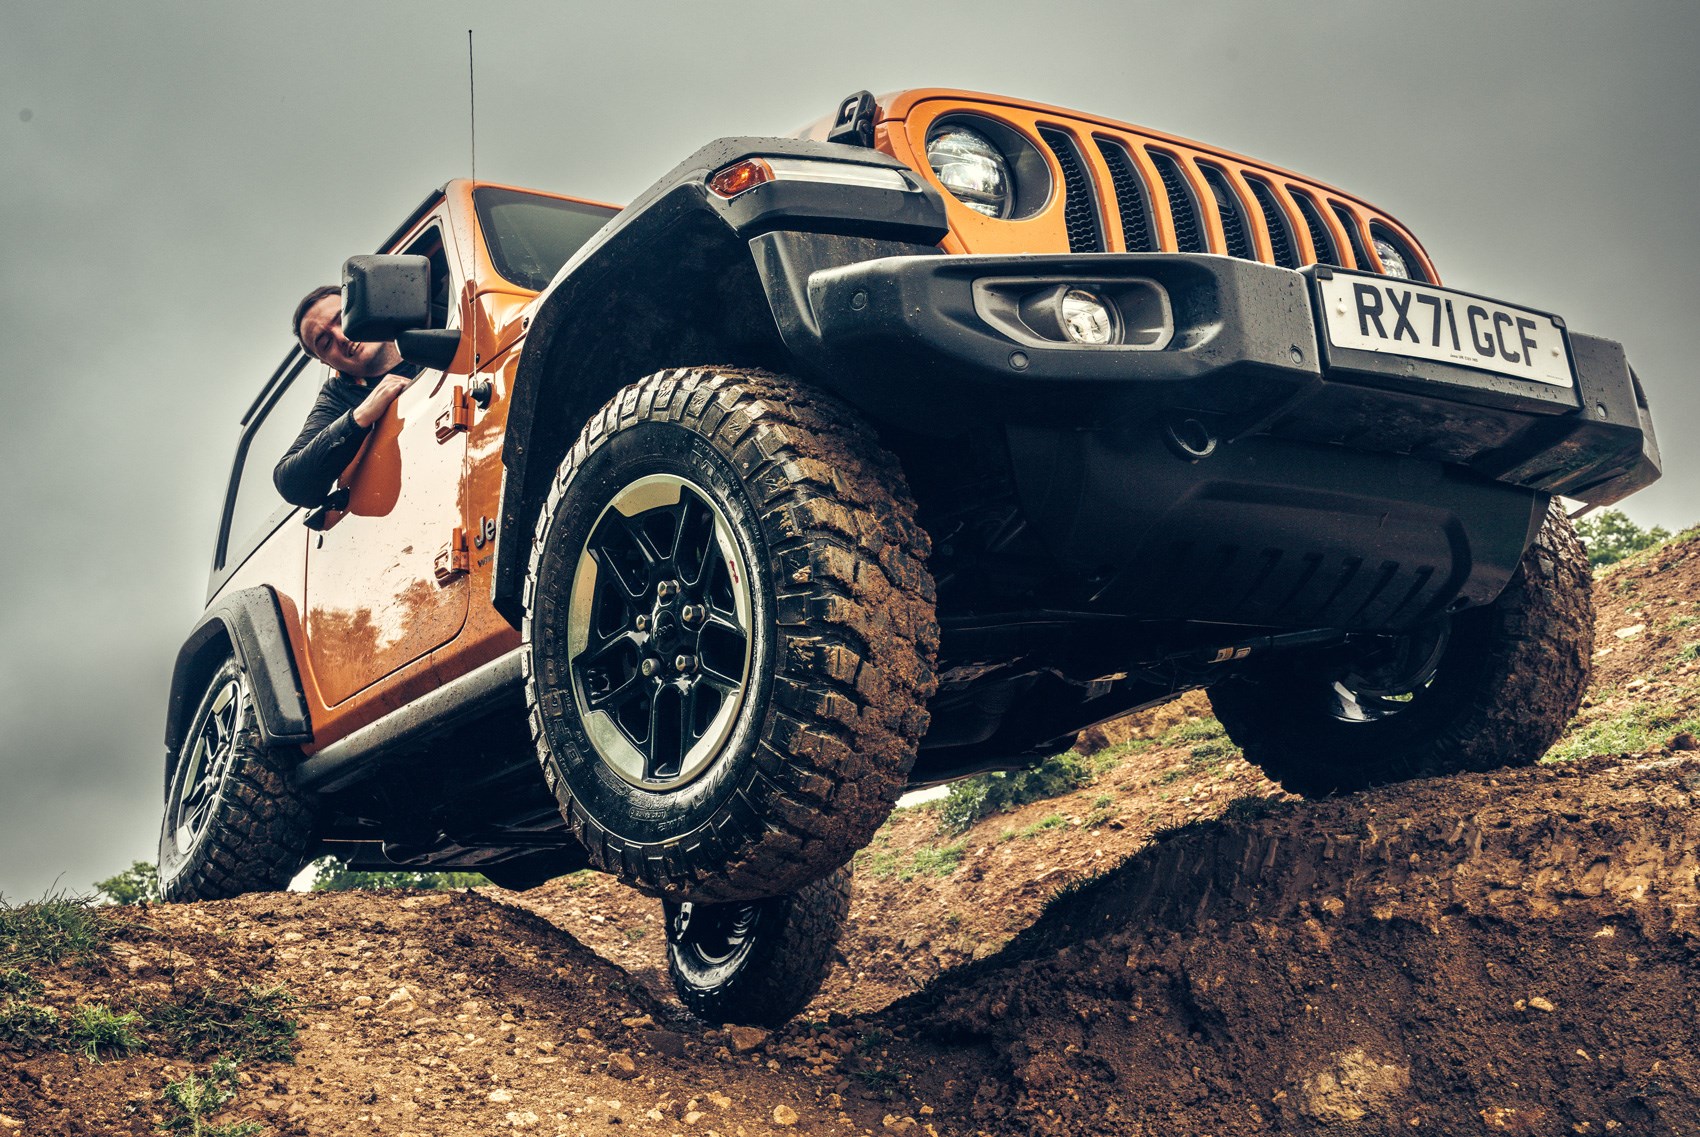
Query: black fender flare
[[249, 625], [684, 276]]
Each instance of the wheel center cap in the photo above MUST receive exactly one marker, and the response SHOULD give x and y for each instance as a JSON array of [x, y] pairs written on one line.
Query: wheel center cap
[[668, 634]]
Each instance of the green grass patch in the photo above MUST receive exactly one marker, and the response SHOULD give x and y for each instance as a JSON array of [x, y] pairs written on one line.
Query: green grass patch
[[1052, 821], [95, 1028], [1689, 652], [881, 864], [197, 1097], [25, 1026], [49, 930], [1637, 728], [1204, 728], [22, 984], [931, 861], [978, 797], [884, 864], [255, 1023]]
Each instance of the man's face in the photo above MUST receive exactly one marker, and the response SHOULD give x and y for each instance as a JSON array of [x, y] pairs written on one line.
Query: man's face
[[321, 332]]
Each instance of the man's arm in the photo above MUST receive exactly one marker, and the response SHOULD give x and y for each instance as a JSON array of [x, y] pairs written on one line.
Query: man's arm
[[325, 446]]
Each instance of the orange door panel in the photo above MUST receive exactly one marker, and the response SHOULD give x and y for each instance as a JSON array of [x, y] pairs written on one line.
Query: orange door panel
[[374, 598]]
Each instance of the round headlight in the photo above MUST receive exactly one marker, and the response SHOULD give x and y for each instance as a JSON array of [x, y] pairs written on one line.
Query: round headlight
[[972, 169], [1087, 319], [1392, 259]]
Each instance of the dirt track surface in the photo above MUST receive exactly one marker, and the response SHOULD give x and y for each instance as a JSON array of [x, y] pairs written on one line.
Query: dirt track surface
[[1508, 953]]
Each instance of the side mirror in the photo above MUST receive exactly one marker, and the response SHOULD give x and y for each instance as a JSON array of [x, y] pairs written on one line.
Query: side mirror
[[383, 296]]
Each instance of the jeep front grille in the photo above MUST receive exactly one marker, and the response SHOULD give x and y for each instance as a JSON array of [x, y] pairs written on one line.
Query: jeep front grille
[[1275, 220], [1183, 205], [1232, 213], [1117, 188], [1320, 239], [1128, 192], [1080, 206]]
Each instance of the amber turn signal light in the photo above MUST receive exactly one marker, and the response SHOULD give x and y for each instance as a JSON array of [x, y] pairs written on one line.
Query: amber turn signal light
[[740, 176]]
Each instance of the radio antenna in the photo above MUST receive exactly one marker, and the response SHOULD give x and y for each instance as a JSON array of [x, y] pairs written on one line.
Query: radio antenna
[[472, 117]]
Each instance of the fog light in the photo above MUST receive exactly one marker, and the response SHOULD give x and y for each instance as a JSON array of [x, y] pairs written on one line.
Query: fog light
[[1088, 319]]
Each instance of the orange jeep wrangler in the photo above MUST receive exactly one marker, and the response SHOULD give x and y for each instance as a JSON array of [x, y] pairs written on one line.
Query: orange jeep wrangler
[[840, 465]]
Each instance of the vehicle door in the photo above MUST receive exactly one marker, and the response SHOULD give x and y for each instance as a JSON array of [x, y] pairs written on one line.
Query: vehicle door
[[384, 586]]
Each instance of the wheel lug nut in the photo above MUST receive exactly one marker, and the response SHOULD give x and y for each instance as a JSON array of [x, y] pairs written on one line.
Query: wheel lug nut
[[649, 667], [690, 613], [685, 664], [641, 623], [666, 589]]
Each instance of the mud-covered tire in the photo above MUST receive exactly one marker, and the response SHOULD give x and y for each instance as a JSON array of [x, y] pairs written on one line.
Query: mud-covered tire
[[811, 522], [1510, 677], [233, 823], [756, 964]]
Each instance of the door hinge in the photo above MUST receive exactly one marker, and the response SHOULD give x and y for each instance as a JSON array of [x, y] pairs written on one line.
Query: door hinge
[[452, 558], [457, 416]]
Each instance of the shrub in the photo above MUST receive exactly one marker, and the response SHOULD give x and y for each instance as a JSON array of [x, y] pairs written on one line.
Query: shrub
[[985, 794], [1610, 536], [332, 875], [138, 884]]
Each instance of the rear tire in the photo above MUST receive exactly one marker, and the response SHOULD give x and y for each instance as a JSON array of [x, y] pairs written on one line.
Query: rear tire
[[756, 964], [1507, 681], [729, 635], [233, 823]]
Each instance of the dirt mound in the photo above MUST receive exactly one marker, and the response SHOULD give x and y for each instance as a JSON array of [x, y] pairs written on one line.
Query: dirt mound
[[1511, 953], [1175, 947]]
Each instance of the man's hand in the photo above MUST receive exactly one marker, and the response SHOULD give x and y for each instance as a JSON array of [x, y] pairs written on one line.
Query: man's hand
[[375, 404]]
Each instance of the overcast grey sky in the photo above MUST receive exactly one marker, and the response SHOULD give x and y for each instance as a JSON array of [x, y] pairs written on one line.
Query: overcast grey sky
[[174, 176]]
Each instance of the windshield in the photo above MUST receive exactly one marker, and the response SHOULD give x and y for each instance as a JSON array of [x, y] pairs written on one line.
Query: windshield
[[529, 236]]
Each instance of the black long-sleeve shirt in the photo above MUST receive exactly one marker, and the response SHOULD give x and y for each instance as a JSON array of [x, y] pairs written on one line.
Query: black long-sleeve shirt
[[328, 441]]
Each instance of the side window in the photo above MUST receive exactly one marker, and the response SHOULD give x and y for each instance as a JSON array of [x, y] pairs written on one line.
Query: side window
[[429, 244], [255, 507]]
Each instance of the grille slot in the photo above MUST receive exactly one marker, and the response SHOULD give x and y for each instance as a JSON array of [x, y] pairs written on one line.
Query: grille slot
[[1280, 236], [1320, 239], [1137, 230], [1360, 255], [1080, 206], [1232, 213], [1189, 230]]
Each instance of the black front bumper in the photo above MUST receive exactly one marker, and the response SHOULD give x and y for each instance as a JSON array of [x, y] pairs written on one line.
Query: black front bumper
[[1341, 489], [1245, 351]]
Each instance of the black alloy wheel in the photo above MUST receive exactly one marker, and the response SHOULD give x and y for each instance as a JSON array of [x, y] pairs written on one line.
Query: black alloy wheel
[[660, 638], [233, 823], [729, 635], [756, 963]]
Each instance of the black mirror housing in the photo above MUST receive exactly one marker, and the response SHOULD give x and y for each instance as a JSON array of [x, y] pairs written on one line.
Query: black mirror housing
[[383, 296], [435, 348]]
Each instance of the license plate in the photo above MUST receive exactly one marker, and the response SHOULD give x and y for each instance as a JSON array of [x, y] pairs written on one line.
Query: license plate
[[1397, 317]]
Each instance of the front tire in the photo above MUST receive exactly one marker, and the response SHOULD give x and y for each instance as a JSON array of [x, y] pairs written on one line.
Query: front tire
[[233, 823], [729, 635], [1504, 681], [756, 964]]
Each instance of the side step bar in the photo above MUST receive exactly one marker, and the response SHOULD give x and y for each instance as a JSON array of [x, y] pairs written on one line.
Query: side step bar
[[472, 696]]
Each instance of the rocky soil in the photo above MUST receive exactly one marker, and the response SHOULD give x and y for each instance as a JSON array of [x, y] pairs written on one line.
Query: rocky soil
[[1176, 948]]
